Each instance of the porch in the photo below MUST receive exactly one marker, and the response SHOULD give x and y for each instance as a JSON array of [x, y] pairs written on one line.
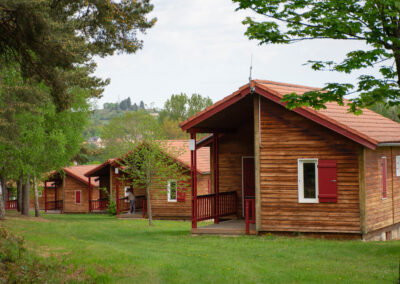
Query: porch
[[11, 205], [233, 160], [56, 205]]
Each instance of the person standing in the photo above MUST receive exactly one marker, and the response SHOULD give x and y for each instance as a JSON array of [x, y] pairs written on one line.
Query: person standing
[[132, 202]]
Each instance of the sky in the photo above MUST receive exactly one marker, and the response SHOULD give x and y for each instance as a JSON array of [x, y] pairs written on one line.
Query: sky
[[199, 46]]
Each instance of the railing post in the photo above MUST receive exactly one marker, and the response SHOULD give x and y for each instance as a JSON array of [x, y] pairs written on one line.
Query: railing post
[[45, 196], [90, 194], [193, 171], [117, 189], [246, 202]]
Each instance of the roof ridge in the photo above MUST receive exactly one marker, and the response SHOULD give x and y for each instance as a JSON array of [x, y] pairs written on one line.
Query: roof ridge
[[285, 84]]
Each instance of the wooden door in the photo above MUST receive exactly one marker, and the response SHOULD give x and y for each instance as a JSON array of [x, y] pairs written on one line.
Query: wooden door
[[249, 183]]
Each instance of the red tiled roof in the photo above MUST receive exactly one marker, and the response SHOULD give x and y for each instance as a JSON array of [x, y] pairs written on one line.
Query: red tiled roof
[[368, 128], [182, 153], [78, 172], [179, 149]]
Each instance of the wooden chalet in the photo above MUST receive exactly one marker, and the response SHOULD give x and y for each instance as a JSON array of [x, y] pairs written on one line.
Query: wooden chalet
[[167, 202], [67, 191], [278, 170]]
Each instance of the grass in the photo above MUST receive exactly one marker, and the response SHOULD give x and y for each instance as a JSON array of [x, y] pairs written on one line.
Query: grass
[[106, 249]]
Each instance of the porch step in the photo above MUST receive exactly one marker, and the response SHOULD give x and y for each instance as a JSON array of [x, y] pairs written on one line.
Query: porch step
[[231, 227]]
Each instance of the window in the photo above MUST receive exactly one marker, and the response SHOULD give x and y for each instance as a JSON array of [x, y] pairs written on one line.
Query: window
[[172, 191], [384, 176], [77, 196], [398, 166], [308, 180]]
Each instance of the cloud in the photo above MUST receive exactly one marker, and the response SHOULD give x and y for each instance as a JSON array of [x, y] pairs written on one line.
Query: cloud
[[199, 46]]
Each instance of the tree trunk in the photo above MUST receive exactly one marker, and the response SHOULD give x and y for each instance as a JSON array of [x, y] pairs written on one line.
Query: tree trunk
[[20, 183], [25, 197], [35, 187], [149, 206], [2, 208], [5, 191]]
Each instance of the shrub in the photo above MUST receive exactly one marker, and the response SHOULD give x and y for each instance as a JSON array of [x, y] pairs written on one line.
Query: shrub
[[112, 207]]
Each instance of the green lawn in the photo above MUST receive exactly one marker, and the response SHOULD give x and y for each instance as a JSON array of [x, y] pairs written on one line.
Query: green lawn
[[109, 250]]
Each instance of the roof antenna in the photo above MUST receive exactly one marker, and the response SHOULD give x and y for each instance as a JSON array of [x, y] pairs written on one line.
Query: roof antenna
[[252, 89]]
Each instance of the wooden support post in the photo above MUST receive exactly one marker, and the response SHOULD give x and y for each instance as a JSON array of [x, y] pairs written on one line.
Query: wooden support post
[[216, 177], [362, 193], [257, 147], [193, 171], [117, 189], [45, 196], [90, 194]]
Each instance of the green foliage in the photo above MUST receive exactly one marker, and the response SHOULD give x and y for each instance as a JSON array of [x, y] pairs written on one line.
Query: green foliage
[[112, 207], [180, 107], [18, 265], [88, 154], [392, 112], [373, 22], [55, 41]]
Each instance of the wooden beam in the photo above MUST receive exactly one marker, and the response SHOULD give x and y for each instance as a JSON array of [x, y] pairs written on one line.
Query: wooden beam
[[210, 130], [257, 144], [362, 192]]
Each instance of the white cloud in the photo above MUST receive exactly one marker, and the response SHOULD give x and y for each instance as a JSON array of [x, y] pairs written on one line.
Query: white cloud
[[199, 46]]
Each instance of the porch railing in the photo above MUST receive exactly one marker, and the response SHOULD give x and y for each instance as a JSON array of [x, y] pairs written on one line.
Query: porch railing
[[206, 205], [249, 212], [124, 204], [99, 204], [54, 205], [11, 204]]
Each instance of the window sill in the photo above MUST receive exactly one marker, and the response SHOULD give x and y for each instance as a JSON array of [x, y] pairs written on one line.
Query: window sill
[[172, 200], [308, 201]]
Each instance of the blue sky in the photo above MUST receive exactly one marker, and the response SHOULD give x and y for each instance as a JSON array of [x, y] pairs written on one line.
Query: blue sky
[[199, 46]]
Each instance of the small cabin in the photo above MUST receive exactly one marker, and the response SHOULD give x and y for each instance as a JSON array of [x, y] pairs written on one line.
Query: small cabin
[[67, 191], [166, 201], [306, 171]]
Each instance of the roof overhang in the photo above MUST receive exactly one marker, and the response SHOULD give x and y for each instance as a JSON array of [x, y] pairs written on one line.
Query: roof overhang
[[306, 112]]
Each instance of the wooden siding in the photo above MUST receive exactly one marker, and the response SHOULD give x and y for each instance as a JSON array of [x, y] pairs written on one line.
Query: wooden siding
[[232, 147], [161, 208], [381, 212], [286, 137], [71, 185]]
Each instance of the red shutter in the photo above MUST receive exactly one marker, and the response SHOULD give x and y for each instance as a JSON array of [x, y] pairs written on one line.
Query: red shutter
[[327, 181], [181, 192], [384, 176], [77, 196]]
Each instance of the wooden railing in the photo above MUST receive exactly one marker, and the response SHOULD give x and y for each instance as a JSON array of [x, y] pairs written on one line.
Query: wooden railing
[[99, 204], [249, 212], [141, 203], [11, 204], [54, 205], [206, 205]]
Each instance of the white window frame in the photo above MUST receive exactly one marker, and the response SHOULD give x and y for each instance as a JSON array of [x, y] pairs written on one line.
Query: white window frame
[[169, 191], [300, 177], [80, 196]]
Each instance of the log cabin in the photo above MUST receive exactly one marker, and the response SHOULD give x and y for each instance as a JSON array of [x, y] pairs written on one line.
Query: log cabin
[[166, 201], [325, 172], [67, 191]]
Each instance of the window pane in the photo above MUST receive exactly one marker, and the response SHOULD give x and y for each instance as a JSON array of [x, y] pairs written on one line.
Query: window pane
[[172, 188], [309, 180]]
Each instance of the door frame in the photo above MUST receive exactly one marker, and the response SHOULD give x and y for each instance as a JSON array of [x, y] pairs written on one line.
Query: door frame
[[244, 157]]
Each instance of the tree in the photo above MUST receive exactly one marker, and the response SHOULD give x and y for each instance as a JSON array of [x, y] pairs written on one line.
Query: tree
[[172, 130], [376, 23], [141, 105], [392, 112], [54, 41], [179, 107]]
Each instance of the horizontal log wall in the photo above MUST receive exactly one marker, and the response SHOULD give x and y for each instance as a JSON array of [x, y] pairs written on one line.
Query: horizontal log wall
[[71, 185], [286, 137], [161, 208], [381, 212]]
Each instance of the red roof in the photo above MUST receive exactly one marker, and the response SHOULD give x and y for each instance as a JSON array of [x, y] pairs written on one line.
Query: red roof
[[179, 149], [368, 129], [78, 172]]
